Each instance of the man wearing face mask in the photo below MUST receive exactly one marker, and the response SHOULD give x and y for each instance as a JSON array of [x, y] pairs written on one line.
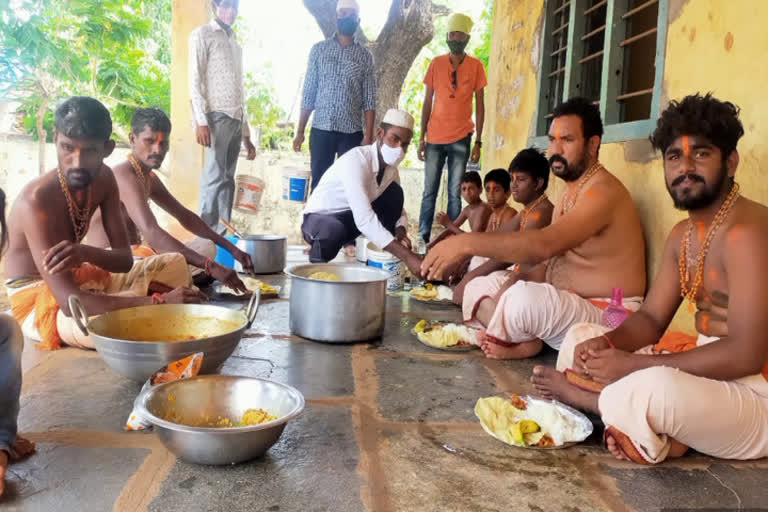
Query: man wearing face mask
[[361, 193], [340, 87], [218, 109], [446, 120]]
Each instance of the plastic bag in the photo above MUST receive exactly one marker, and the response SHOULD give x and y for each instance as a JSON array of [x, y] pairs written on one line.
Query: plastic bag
[[181, 369]]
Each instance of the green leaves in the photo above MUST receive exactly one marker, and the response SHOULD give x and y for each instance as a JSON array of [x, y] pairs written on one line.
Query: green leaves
[[117, 51]]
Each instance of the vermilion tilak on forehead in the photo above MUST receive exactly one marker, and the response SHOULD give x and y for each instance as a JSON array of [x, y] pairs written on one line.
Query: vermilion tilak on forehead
[[686, 145], [159, 138]]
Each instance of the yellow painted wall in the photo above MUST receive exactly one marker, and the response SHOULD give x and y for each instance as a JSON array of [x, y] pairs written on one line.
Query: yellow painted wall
[[186, 156], [712, 45]]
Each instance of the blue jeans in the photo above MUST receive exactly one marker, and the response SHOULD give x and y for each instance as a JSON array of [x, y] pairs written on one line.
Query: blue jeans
[[11, 344], [457, 155]]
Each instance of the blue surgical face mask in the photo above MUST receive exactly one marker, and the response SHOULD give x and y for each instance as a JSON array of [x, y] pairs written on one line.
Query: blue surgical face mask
[[348, 26]]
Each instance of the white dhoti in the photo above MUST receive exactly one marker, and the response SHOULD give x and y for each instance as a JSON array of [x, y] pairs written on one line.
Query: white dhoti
[[645, 410], [530, 311]]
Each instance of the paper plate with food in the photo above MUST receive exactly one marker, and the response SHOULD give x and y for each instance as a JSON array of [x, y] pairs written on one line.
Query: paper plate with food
[[446, 336], [531, 422], [252, 284], [433, 293]]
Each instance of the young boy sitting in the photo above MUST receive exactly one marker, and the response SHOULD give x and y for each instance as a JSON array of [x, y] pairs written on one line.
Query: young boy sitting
[[497, 192], [476, 211]]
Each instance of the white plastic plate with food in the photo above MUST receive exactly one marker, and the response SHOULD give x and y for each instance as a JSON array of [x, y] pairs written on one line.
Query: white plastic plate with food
[[446, 336], [268, 291], [531, 422], [433, 294]]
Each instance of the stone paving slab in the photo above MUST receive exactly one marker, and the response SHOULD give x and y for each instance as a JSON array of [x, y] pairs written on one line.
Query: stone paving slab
[[70, 478], [438, 470], [316, 369], [312, 468], [667, 488], [419, 389], [80, 392]]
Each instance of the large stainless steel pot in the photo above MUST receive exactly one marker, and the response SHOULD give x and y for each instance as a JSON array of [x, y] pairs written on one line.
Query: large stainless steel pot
[[268, 253], [138, 360], [214, 396], [344, 311]]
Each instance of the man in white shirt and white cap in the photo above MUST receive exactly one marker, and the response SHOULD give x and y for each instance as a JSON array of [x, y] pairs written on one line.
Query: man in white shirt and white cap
[[361, 193]]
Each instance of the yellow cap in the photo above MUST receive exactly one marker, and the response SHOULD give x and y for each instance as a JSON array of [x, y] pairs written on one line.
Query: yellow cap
[[460, 23]]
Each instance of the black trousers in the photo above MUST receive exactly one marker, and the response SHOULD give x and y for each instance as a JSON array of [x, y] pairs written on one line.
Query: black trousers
[[325, 147], [328, 233]]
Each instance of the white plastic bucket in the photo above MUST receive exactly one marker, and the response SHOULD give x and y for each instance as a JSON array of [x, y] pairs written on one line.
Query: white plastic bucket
[[387, 262], [361, 245], [296, 184], [248, 193]]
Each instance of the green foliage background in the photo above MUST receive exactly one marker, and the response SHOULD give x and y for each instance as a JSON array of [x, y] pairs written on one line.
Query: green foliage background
[[118, 51]]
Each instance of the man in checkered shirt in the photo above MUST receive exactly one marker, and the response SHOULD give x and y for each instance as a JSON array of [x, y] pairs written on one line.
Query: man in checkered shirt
[[340, 87]]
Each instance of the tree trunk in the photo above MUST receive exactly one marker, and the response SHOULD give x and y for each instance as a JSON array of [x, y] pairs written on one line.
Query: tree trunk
[[409, 27]]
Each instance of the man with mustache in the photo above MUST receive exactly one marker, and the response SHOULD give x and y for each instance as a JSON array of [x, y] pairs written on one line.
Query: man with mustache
[[47, 261], [657, 398], [594, 244], [150, 132]]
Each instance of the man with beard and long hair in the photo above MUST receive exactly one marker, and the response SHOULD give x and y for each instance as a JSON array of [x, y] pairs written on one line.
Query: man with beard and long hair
[[594, 244], [150, 132], [340, 88], [452, 81], [47, 261], [655, 397]]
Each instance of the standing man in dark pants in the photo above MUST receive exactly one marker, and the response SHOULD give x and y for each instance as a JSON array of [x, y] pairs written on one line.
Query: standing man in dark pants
[[340, 86], [218, 109], [446, 120]]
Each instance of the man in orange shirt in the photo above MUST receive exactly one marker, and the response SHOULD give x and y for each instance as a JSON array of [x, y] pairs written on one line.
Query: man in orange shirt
[[446, 120]]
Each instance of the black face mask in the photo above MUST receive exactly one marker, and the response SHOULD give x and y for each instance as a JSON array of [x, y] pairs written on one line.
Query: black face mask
[[456, 47], [348, 26]]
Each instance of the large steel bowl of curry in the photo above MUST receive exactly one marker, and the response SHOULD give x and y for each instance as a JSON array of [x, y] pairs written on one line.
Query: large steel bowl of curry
[[136, 342], [346, 310], [187, 416]]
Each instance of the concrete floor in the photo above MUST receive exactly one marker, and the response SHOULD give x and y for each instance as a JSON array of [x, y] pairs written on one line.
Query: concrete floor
[[388, 426]]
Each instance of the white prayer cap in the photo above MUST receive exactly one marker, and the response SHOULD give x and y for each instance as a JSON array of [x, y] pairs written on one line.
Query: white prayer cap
[[348, 4], [400, 118]]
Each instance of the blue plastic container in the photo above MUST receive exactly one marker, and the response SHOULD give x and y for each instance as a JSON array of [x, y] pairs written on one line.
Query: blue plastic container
[[296, 184], [223, 256]]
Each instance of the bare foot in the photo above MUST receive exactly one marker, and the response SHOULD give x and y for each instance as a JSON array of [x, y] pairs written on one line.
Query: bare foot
[[676, 449], [21, 448], [517, 351], [610, 443], [552, 384], [350, 251]]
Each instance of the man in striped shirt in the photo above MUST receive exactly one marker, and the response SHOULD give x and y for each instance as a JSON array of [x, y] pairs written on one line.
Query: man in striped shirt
[[340, 87]]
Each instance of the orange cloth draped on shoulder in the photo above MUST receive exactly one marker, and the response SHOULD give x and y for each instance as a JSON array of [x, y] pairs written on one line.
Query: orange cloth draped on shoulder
[[40, 299], [680, 342], [142, 251]]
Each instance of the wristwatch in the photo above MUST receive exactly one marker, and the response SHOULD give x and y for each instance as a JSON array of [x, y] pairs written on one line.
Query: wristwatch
[[478, 142]]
